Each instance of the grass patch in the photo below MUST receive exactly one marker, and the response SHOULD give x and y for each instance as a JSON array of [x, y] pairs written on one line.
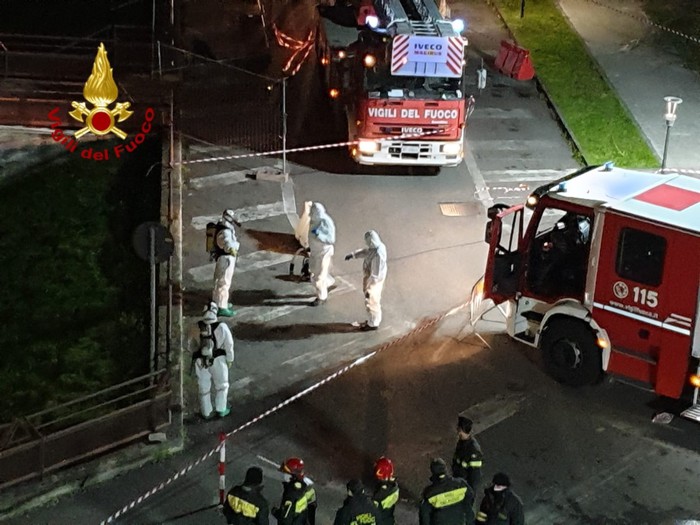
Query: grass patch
[[75, 298], [600, 124]]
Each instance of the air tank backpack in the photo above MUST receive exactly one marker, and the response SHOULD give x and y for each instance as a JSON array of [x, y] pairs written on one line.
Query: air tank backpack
[[208, 348], [213, 249], [211, 238]]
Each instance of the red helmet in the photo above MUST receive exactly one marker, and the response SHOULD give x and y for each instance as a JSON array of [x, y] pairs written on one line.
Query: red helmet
[[384, 469], [293, 466]]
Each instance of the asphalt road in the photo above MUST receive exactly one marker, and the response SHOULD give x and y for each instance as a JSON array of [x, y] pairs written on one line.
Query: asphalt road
[[575, 456]]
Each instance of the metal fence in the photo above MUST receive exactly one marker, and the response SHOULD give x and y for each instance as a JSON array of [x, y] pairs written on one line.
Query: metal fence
[[222, 103], [80, 429], [65, 58]]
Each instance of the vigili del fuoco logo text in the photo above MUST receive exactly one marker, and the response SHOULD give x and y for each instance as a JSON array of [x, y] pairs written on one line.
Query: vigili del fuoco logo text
[[100, 91]]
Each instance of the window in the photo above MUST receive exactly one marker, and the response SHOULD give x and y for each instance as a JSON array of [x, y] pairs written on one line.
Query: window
[[640, 256], [558, 257]]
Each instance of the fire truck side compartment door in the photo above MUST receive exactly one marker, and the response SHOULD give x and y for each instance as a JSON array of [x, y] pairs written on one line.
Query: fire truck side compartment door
[[504, 233], [645, 302]]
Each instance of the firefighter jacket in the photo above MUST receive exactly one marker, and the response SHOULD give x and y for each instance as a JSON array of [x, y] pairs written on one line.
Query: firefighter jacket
[[385, 497], [467, 461], [245, 505], [357, 510], [298, 506], [500, 508], [447, 501]]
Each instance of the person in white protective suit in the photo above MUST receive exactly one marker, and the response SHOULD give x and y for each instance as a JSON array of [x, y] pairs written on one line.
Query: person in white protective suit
[[374, 274], [225, 252], [321, 244], [212, 360]]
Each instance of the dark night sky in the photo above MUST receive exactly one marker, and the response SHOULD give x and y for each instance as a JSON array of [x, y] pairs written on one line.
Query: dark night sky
[[70, 17]]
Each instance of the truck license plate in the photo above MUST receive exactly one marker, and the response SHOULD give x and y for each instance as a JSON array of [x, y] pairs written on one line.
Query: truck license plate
[[411, 149]]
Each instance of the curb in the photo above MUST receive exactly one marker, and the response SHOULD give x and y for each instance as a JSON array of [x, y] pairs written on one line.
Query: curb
[[604, 76]]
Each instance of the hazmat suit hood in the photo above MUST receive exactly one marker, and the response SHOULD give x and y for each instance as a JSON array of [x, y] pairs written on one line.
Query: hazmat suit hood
[[318, 210], [321, 224], [372, 239]]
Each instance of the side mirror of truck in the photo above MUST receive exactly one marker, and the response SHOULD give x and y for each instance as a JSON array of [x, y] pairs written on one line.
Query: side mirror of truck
[[495, 210], [487, 232]]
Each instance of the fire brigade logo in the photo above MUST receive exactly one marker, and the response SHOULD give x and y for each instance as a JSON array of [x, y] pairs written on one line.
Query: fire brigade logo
[[620, 290], [101, 90]]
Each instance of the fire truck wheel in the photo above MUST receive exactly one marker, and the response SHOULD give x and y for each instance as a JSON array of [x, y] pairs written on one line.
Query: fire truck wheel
[[570, 353]]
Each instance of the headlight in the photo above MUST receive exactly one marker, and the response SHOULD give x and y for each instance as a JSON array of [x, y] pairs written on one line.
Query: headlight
[[368, 146], [453, 148]]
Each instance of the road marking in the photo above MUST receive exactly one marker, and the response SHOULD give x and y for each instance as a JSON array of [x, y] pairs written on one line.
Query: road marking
[[246, 214], [241, 383], [268, 311], [303, 357], [219, 179], [493, 411], [525, 175], [482, 192], [245, 263]]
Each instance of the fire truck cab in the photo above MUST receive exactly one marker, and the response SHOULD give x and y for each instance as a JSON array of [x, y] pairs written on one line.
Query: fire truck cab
[[601, 272], [395, 69]]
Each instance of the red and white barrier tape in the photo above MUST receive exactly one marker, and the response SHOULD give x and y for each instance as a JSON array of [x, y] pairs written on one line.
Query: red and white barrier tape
[[684, 171], [185, 470], [646, 20], [222, 468], [300, 49], [315, 148]]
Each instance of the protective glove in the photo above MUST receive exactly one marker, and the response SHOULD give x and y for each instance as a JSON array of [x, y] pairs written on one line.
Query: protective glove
[[230, 364], [315, 231], [349, 256], [233, 252], [366, 295]]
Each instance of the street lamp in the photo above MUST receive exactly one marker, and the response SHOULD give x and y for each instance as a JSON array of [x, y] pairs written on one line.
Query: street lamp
[[670, 118]]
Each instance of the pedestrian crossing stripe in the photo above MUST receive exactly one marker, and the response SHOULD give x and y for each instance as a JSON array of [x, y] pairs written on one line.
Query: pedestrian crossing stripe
[[245, 214], [218, 179], [275, 309], [244, 263]]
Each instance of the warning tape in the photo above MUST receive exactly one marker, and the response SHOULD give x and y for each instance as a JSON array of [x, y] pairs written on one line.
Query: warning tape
[[680, 170], [315, 148], [185, 470], [646, 20]]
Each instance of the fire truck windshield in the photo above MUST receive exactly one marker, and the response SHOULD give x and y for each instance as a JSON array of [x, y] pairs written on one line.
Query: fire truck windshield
[[379, 81]]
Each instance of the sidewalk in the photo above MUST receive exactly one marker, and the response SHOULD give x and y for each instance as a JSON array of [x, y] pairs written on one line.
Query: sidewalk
[[643, 72]]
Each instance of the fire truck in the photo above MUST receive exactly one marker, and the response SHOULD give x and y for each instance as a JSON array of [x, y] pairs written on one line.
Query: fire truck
[[600, 271], [395, 70]]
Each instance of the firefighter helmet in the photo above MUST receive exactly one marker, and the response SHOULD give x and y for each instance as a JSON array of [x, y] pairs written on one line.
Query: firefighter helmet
[[384, 469], [293, 466]]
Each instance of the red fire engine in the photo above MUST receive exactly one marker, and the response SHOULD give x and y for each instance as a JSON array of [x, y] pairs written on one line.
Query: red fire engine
[[396, 68], [604, 277]]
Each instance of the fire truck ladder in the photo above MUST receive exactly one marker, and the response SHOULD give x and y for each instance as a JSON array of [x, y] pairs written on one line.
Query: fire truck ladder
[[416, 17]]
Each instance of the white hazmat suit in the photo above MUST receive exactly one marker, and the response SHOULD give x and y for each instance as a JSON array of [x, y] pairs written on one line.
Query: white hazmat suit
[[226, 252], [214, 370], [321, 244], [374, 274]]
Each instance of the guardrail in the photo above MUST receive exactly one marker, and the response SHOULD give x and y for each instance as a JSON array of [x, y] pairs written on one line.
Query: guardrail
[[65, 434]]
